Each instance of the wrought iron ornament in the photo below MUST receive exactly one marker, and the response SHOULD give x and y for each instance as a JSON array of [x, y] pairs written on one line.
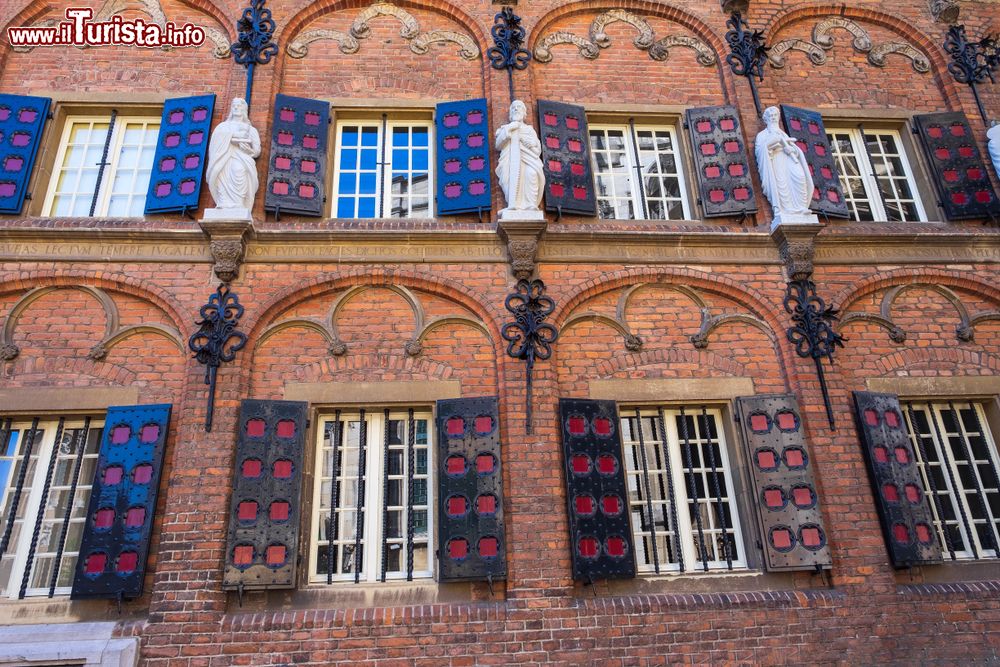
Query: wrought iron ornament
[[747, 53], [509, 52], [218, 341], [972, 62], [813, 334], [528, 337], [254, 46]]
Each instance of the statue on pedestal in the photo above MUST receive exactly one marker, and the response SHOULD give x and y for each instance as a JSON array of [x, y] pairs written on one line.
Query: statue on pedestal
[[520, 171], [784, 173], [232, 170]]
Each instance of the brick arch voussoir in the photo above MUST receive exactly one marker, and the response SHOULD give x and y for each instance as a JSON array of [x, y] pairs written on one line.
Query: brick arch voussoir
[[621, 361], [317, 370], [28, 369], [961, 358], [928, 46], [886, 279]]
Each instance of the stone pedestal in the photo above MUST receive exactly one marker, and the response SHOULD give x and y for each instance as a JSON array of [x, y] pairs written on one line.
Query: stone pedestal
[[522, 236], [793, 220], [521, 216], [227, 238], [228, 215]]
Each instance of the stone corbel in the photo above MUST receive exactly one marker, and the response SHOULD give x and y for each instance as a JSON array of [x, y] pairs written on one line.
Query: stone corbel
[[521, 237], [796, 244], [227, 243], [730, 6], [945, 11]]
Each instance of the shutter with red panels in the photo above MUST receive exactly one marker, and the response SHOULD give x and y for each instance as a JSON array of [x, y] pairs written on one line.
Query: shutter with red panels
[[569, 176], [784, 485], [600, 536], [900, 497], [179, 161], [463, 157], [296, 174], [471, 544], [957, 167], [263, 546], [807, 129], [720, 157], [115, 542]]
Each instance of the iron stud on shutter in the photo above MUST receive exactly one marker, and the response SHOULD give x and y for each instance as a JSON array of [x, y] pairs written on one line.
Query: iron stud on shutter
[[809, 132], [471, 543], [720, 156], [569, 177], [600, 541], [463, 157], [112, 561], [296, 174], [263, 543], [179, 161], [22, 120], [784, 485], [907, 522], [957, 168]]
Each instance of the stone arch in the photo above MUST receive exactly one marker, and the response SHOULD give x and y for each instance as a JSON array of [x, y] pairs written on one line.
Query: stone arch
[[887, 279], [704, 358], [908, 357], [396, 362]]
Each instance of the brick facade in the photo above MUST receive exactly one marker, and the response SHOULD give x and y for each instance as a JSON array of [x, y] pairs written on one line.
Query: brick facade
[[385, 279]]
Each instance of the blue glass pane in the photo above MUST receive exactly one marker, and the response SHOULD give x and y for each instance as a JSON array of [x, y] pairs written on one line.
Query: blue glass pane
[[349, 159], [420, 160], [369, 159], [4, 471], [350, 136], [400, 159], [369, 136], [400, 136], [348, 184], [366, 207], [421, 135], [367, 184], [12, 445], [345, 207]]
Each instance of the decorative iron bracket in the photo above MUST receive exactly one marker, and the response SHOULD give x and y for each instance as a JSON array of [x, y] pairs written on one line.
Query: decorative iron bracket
[[509, 52], [218, 341], [972, 62], [747, 53], [254, 46], [528, 337]]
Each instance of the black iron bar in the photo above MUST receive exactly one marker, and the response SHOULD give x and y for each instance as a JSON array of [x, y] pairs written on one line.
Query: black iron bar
[[81, 450], [692, 488], [946, 464], [980, 493], [217, 341], [651, 521], [410, 442], [528, 336], [102, 165], [40, 518], [254, 46], [508, 50], [928, 475], [638, 169], [996, 478], [385, 495], [382, 176], [29, 440], [706, 436], [360, 513], [747, 54], [972, 63], [332, 524], [669, 467]]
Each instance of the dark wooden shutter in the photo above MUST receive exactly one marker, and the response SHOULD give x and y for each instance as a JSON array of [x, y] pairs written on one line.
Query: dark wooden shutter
[[463, 157], [720, 157], [264, 514], [900, 497], [569, 175], [784, 485], [296, 173], [957, 167], [601, 543], [112, 561], [22, 120], [471, 544], [179, 161], [806, 127]]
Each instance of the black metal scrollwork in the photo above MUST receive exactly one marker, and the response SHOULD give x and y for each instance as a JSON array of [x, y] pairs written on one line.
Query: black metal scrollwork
[[528, 337], [509, 52], [813, 334], [972, 62], [218, 341], [254, 46], [747, 53]]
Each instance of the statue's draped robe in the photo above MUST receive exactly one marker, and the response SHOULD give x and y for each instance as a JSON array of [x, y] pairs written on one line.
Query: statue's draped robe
[[785, 179], [520, 167], [232, 172]]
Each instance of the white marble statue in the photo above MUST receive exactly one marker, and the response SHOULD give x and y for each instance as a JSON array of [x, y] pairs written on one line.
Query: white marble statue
[[232, 171], [994, 136], [520, 168], [784, 173]]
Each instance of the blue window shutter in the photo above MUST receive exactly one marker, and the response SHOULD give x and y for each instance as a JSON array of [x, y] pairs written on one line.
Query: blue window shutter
[[179, 163], [22, 120], [115, 543], [296, 173], [463, 157]]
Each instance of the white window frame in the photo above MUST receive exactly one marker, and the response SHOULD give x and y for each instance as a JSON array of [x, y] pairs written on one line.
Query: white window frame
[[873, 195], [114, 155], [686, 527], [959, 500], [638, 194], [31, 502], [383, 172], [371, 567]]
